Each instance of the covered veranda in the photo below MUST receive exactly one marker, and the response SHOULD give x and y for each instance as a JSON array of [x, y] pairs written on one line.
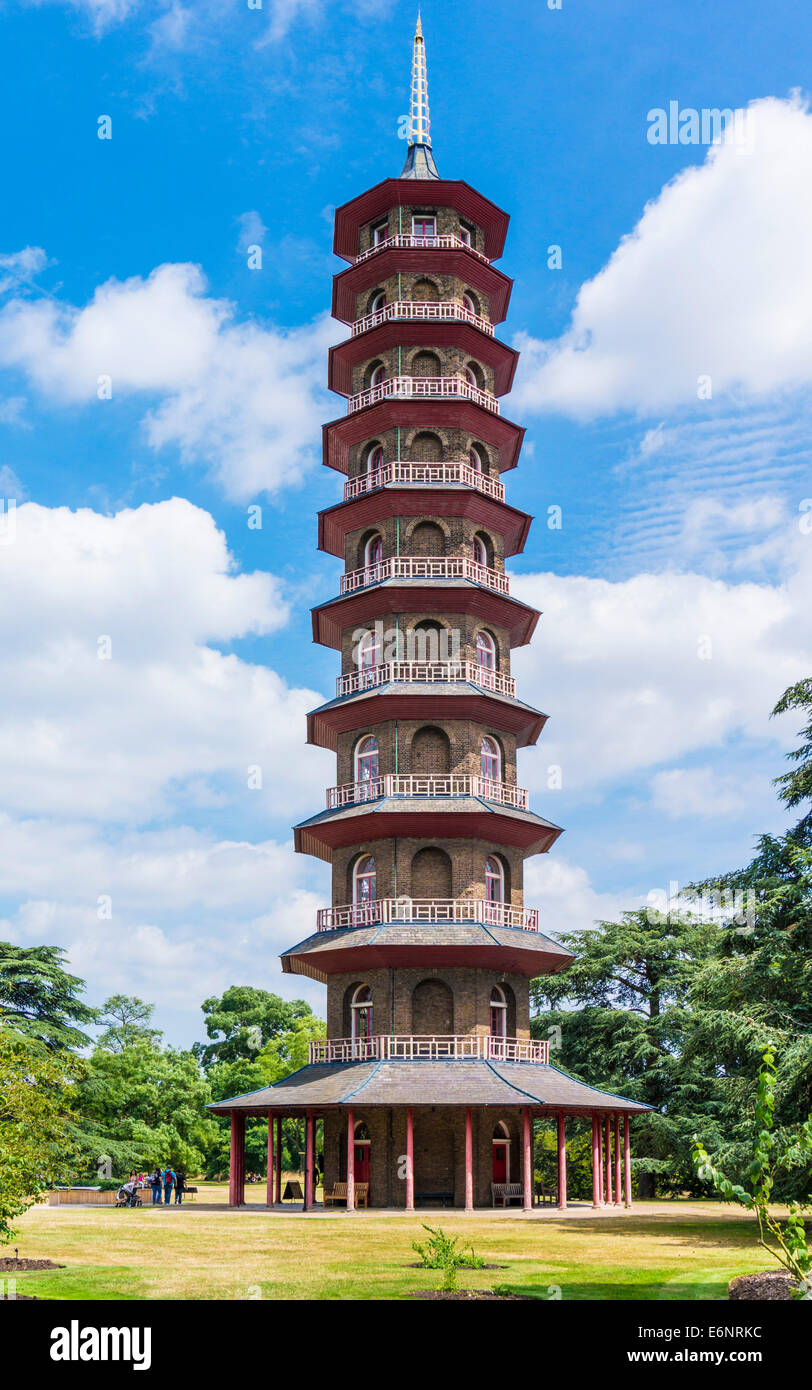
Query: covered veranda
[[459, 1096]]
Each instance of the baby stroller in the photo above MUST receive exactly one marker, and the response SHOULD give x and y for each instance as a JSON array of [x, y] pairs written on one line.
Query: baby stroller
[[128, 1196]]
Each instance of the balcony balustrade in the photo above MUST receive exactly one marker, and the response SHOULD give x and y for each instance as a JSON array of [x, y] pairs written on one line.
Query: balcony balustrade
[[425, 567], [424, 309], [422, 388], [408, 1047], [440, 784], [409, 240], [426, 672], [382, 910], [450, 471]]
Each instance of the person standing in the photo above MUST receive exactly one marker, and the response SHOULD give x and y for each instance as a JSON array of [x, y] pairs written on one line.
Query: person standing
[[180, 1187], [169, 1182], [155, 1184]]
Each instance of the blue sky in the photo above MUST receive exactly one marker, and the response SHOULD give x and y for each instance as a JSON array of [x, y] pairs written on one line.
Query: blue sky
[[676, 594]]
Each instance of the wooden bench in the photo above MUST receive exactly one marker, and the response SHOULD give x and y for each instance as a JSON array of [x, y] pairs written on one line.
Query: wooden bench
[[339, 1194], [503, 1193], [546, 1194]]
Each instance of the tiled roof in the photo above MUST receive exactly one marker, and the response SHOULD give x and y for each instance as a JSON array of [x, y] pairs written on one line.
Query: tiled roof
[[429, 1083]]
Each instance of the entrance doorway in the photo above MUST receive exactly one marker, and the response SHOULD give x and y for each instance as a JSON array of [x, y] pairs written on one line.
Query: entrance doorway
[[501, 1153], [362, 1150]]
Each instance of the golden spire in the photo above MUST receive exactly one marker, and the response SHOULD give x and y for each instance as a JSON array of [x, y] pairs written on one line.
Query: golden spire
[[419, 160]]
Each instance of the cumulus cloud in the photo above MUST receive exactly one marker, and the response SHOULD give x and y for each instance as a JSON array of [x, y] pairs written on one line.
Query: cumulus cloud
[[246, 401], [642, 672], [715, 280], [118, 703], [206, 910]]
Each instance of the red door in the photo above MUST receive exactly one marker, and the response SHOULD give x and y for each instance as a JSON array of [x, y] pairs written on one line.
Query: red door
[[500, 1162], [362, 1162]]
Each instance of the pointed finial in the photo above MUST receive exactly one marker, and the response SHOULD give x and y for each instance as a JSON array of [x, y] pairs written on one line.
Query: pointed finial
[[419, 160]]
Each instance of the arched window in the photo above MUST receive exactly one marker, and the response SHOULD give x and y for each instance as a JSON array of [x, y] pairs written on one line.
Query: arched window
[[498, 1013], [369, 651], [363, 880], [374, 458], [378, 302], [361, 1009], [366, 759], [490, 760], [494, 880], [475, 459], [478, 551], [469, 304], [485, 651], [373, 550], [378, 375]]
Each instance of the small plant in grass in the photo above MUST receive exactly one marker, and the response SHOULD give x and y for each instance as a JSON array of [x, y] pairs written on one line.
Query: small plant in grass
[[785, 1240], [442, 1252]]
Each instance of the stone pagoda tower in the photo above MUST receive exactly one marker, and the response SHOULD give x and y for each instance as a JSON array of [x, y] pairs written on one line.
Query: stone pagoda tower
[[428, 1082]]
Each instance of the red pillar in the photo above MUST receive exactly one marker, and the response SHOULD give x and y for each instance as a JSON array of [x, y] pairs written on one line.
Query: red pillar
[[596, 1163], [308, 1182], [607, 1132], [269, 1179], [236, 1167], [469, 1162], [350, 1162], [562, 1161], [618, 1198], [279, 1158], [627, 1161], [409, 1159], [528, 1161]]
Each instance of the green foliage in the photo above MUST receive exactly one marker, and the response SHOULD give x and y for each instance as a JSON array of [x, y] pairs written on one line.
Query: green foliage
[[442, 1252], [144, 1107], [796, 785], [785, 1240], [35, 1087], [39, 999], [127, 1022], [248, 1019]]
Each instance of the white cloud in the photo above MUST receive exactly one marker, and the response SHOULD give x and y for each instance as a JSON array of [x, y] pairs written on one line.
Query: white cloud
[[703, 792], [639, 673], [189, 914], [244, 400], [716, 279], [169, 720]]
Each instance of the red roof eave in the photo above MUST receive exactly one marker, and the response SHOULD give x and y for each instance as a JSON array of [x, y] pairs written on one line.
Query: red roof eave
[[389, 193]]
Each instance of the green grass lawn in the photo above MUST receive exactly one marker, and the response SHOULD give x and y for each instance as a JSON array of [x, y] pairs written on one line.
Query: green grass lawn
[[661, 1250]]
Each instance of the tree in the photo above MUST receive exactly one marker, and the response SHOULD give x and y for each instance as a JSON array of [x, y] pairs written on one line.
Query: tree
[[35, 1090], [621, 1012], [144, 1106], [248, 1019], [39, 999], [796, 785], [127, 1022]]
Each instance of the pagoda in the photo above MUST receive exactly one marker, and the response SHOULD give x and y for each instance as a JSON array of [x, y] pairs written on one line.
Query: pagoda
[[428, 1082]]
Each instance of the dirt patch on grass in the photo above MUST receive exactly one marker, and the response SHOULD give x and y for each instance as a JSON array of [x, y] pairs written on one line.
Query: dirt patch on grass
[[10, 1265], [770, 1284], [463, 1295]]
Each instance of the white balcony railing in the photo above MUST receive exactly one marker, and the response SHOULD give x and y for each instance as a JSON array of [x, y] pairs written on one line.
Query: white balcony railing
[[451, 471], [441, 784], [425, 567], [382, 910], [409, 240], [422, 309], [457, 1047], [421, 388], [426, 672]]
